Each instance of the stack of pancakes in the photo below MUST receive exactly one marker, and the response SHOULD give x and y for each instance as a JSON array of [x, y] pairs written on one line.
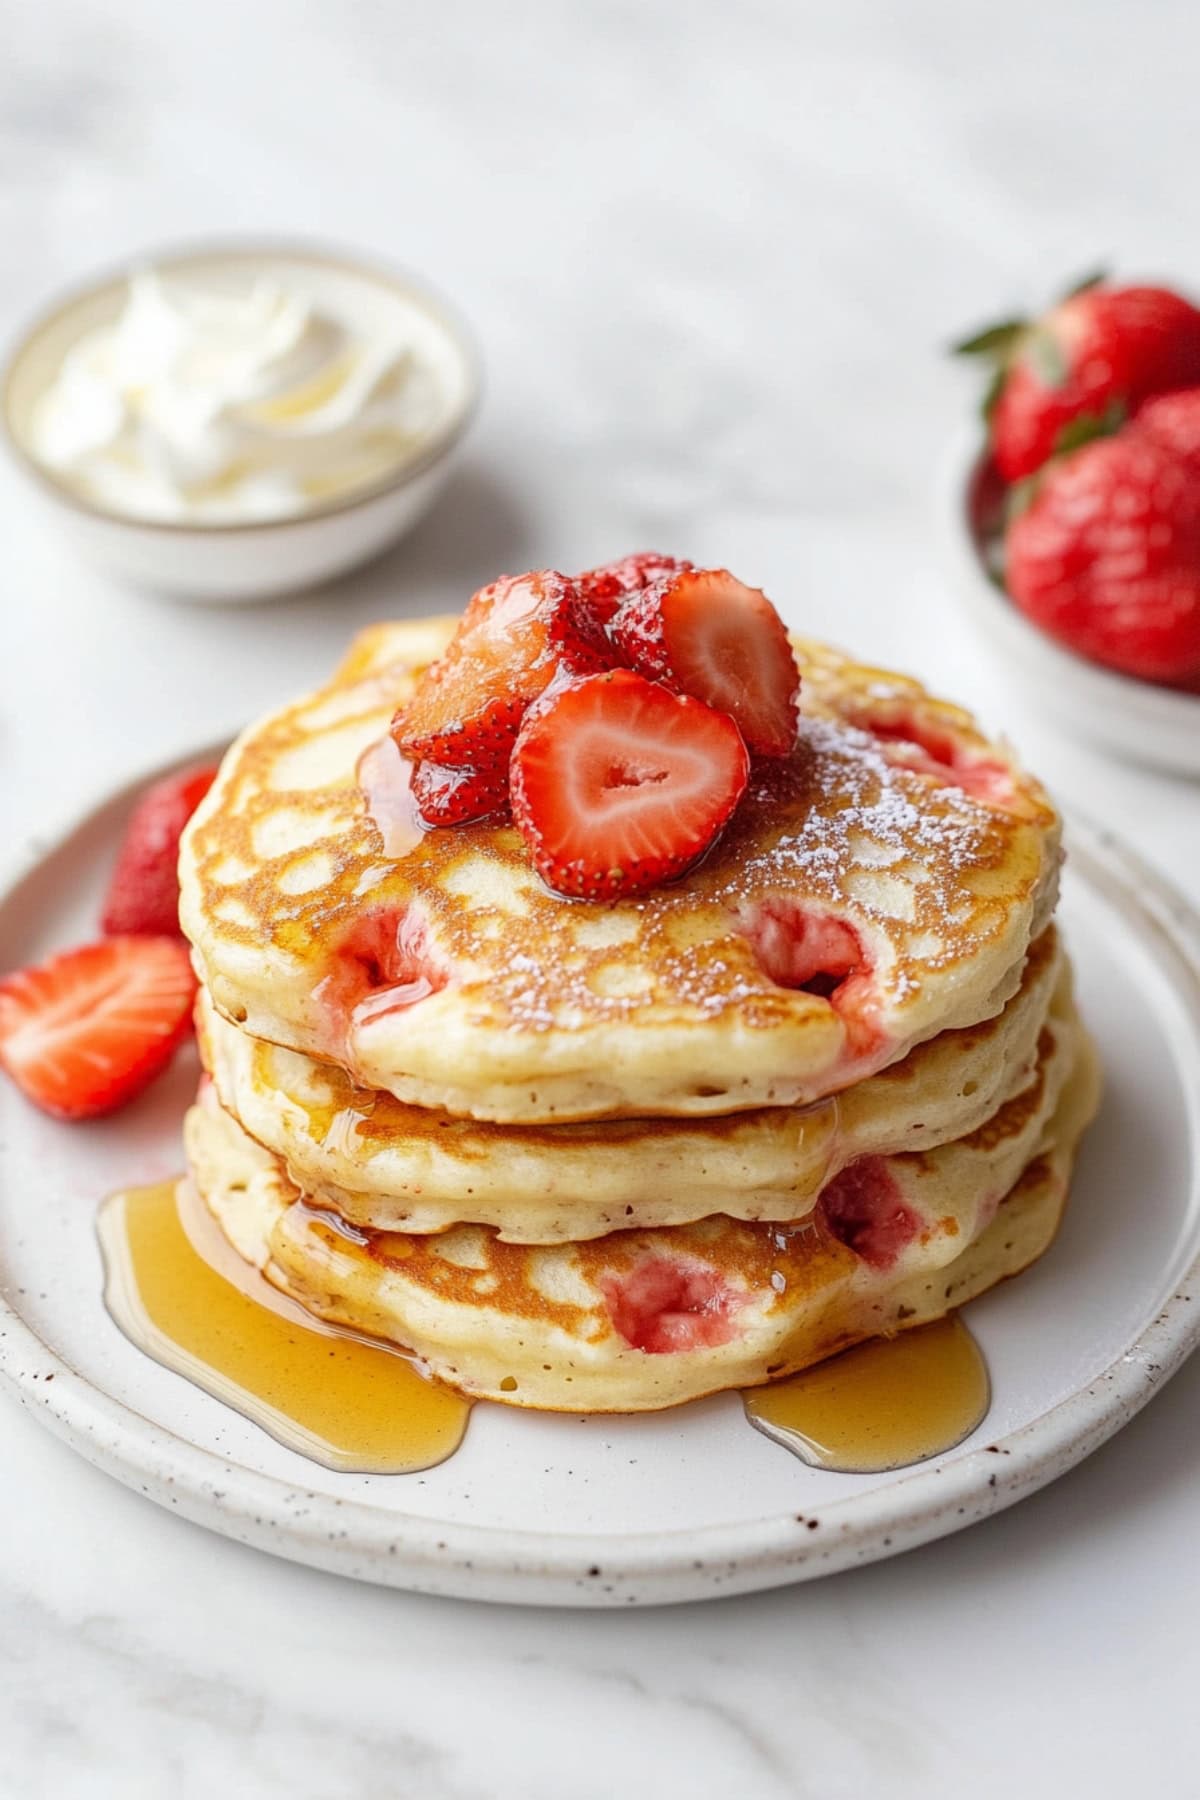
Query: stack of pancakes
[[612, 1157]]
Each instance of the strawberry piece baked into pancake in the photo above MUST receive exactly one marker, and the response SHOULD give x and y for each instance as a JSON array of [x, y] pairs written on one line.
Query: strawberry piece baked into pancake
[[640, 1320], [381, 1163]]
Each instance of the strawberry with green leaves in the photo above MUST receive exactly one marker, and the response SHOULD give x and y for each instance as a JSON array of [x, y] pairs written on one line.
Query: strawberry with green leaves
[[1082, 368], [1172, 421]]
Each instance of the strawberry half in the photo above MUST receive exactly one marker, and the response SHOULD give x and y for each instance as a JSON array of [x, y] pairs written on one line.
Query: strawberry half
[[83, 1033], [603, 589], [705, 633], [143, 894], [457, 796], [515, 636], [619, 784]]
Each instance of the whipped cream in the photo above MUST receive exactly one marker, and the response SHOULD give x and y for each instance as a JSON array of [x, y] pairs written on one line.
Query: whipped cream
[[235, 403]]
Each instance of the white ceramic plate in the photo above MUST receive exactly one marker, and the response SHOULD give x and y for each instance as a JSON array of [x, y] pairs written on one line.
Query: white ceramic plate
[[1128, 718], [678, 1506]]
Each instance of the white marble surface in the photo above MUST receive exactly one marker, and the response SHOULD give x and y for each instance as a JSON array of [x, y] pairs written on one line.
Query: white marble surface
[[711, 253]]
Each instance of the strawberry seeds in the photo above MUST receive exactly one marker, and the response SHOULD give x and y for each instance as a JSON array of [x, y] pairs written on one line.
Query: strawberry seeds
[[1093, 416], [616, 712]]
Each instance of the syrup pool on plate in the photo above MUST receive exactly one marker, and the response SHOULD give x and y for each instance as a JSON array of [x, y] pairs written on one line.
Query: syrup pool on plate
[[883, 1405], [179, 1291]]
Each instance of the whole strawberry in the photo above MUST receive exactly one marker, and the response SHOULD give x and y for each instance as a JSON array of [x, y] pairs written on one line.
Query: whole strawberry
[[1082, 367], [1173, 421], [1106, 557], [143, 894]]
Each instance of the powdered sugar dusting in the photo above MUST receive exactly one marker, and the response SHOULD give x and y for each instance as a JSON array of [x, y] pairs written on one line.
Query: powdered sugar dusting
[[862, 799], [932, 880], [813, 829]]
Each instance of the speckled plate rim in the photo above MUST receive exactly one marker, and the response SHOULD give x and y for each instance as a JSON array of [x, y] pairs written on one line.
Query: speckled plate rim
[[382, 1544]]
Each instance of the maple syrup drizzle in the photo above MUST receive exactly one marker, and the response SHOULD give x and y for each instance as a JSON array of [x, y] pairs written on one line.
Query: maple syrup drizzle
[[181, 1293], [384, 774], [882, 1405]]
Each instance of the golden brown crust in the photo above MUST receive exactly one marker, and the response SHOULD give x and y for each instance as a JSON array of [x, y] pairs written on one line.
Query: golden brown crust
[[943, 889]]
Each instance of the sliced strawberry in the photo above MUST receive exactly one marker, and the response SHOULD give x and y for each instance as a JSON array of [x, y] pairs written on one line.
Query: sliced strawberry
[[603, 589], [515, 636], [618, 784], [704, 633], [458, 796], [86, 1031], [143, 894]]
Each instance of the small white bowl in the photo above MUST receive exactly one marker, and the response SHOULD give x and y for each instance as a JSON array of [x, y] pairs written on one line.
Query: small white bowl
[[213, 561], [1134, 719]]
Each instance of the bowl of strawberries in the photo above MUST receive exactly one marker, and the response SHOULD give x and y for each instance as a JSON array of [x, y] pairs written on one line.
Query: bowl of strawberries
[[1075, 522]]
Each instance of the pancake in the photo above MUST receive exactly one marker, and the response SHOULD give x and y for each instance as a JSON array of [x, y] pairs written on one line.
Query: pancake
[[877, 887], [386, 1165], [643, 1320]]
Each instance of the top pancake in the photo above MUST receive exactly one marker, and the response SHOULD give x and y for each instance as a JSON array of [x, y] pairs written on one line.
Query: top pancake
[[438, 967]]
